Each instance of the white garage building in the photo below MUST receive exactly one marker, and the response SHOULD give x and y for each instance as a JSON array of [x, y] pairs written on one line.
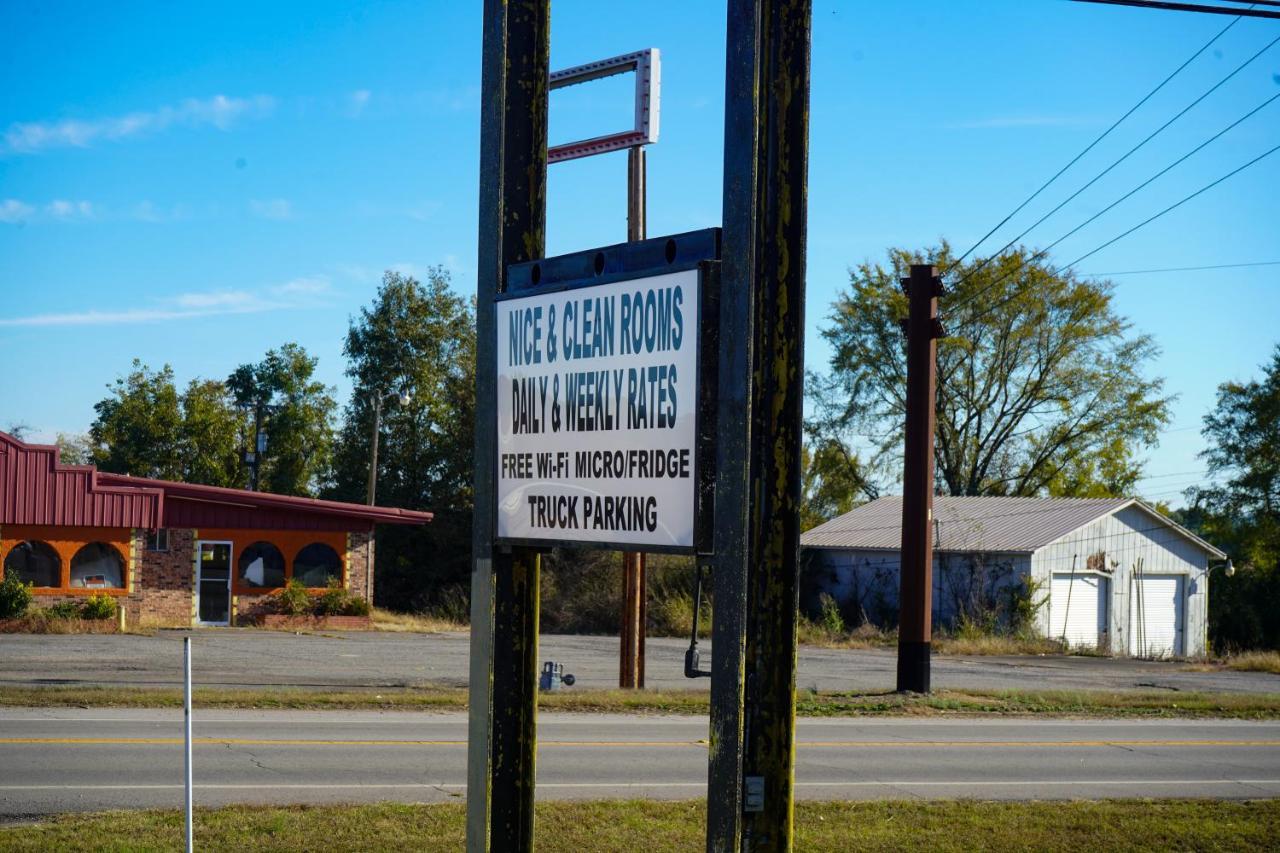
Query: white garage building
[[1119, 576]]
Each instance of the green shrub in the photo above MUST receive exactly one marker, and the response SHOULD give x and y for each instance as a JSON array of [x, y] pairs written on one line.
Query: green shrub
[[333, 601], [356, 606], [15, 597], [63, 610], [829, 614], [293, 600], [98, 606]]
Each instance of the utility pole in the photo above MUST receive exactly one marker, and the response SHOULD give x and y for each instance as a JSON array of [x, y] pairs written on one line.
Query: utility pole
[[634, 597], [253, 458], [373, 448], [751, 783], [502, 731], [377, 399], [915, 594]]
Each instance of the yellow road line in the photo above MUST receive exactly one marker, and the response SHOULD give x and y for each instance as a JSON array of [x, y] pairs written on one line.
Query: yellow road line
[[840, 744]]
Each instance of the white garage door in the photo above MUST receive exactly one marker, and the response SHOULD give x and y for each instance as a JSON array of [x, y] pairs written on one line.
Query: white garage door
[[1155, 616], [1078, 609]]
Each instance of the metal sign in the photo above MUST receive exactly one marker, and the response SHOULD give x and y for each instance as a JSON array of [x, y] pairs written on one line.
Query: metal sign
[[644, 130], [599, 392]]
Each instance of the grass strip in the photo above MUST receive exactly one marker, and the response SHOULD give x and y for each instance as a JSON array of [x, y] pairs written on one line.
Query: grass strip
[[1074, 703], [660, 827]]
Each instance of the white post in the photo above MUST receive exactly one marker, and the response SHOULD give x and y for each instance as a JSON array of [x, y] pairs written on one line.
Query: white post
[[186, 714]]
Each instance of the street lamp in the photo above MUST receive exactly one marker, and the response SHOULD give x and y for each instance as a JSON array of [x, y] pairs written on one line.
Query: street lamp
[[377, 399]]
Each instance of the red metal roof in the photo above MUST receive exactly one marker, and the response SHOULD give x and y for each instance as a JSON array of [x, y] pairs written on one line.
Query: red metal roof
[[36, 489]]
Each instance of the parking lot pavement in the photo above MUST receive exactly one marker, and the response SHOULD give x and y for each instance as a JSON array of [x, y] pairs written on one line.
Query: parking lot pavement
[[242, 657]]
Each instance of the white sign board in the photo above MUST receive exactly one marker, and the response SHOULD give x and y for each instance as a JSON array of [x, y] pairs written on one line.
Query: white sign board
[[597, 403]]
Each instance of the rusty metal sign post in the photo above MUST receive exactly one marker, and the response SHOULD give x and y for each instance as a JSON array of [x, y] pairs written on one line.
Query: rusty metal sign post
[[752, 533]]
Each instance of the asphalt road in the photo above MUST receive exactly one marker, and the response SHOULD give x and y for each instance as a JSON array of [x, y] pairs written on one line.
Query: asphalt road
[[82, 760], [253, 658]]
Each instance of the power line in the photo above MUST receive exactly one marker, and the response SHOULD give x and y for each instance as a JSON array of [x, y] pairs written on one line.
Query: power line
[[1092, 144], [1174, 206], [1130, 153], [1041, 253], [1191, 7], [1181, 269]]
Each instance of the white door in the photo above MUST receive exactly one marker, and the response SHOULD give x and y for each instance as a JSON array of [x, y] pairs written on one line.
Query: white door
[[1078, 609], [1156, 616]]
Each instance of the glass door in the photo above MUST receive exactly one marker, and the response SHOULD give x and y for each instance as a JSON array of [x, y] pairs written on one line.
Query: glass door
[[213, 583]]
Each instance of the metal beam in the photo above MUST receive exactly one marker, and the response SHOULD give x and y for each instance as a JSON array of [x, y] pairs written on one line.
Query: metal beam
[[502, 736], [915, 595]]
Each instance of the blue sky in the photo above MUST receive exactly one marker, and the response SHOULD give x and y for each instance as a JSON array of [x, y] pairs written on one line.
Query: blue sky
[[197, 183]]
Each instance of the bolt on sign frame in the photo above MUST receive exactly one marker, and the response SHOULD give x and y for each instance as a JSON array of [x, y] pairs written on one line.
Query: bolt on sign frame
[[757, 455]]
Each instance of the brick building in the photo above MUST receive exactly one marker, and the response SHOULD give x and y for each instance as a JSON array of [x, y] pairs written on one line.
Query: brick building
[[174, 553]]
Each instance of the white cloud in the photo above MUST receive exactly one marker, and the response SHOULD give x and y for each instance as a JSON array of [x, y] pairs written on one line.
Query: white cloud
[[219, 111], [67, 210], [189, 305], [305, 286], [274, 208], [357, 101], [223, 300], [14, 211]]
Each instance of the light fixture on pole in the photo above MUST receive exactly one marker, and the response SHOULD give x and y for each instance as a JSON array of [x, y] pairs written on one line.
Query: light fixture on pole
[[378, 398]]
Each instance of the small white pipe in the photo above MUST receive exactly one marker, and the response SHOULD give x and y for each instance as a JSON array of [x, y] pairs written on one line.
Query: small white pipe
[[186, 714]]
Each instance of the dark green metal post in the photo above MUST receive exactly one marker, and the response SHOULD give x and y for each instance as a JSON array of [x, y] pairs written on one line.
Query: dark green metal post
[[502, 735]]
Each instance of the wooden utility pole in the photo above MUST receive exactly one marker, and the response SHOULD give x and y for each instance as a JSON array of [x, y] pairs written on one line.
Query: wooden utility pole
[[750, 797], [503, 700], [634, 594], [915, 594]]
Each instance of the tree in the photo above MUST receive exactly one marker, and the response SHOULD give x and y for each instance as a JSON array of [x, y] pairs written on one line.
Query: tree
[[1041, 385], [416, 337], [833, 480], [210, 435], [147, 429], [137, 428], [1242, 513], [74, 448], [297, 414]]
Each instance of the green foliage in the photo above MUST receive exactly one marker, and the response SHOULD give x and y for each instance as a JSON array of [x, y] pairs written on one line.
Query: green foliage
[[297, 414], [417, 337], [98, 606], [833, 480], [63, 610], [74, 449], [333, 601], [356, 606], [1042, 387], [1242, 515], [292, 600], [829, 617], [15, 596], [137, 428], [147, 429], [210, 435]]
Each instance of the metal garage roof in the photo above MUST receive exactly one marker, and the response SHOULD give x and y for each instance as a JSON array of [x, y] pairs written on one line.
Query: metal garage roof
[[966, 523]]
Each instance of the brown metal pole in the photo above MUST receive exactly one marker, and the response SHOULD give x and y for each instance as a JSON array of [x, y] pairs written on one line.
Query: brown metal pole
[[633, 562], [915, 594]]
